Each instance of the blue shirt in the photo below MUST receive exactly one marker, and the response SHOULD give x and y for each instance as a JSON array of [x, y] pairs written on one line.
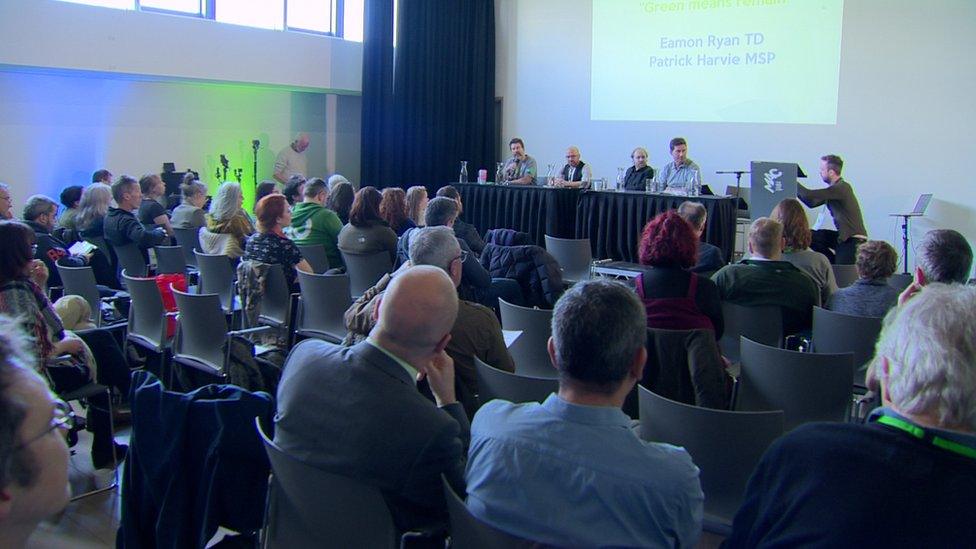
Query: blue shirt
[[571, 475], [674, 178]]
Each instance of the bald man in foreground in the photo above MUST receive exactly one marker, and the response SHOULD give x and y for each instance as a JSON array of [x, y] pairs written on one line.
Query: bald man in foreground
[[355, 411]]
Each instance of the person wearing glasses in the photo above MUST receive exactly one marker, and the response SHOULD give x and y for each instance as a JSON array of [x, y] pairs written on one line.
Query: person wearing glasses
[[65, 358], [576, 173], [6, 203], [33, 452]]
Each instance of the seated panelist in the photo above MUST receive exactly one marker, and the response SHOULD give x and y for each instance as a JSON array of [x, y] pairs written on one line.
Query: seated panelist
[[576, 173], [521, 168], [640, 173]]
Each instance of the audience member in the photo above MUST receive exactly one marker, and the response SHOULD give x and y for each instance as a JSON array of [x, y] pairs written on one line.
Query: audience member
[[766, 279], [33, 453], [152, 213], [341, 197], [366, 232], [393, 210], [70, 198], [476, 332], [336, 179], [269, 244], [675, 299], [355, 411], [21, 297], [796, 231], [417, 205], [709, 257], [641, 173], [870, 294], [944, 256], [465, 231], [312, 224], [102, 176], [92, 209], [265, 188], [226, 217], [190, 214], [6, 202], [907, 477], [294, 190], [121, 225], [41, 215], [576, 454]]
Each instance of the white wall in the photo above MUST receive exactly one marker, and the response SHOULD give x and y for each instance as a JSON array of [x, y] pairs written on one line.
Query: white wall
[[83, 87], [904, 120]]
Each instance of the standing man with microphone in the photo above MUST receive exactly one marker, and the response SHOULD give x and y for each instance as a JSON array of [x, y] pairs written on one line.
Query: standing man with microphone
[[520, 169]]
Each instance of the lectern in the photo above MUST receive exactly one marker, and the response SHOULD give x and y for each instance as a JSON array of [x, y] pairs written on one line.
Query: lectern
[[771, 183]]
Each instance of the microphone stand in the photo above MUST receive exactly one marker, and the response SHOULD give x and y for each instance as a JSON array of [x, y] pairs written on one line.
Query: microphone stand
[[738, 182], [255, 145]]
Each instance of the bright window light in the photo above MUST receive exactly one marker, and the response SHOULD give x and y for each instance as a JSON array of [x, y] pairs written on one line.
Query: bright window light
[[265, 14], [183, 6], [312, 15], [352, 20], [120, 4]]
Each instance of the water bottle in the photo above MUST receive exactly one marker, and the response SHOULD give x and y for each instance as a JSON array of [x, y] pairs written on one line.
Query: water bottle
[[499, 176], [463, 177], [620, 179], [693, 186], [550, 178]]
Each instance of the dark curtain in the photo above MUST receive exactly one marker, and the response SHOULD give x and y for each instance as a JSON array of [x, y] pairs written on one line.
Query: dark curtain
[[440, 108]]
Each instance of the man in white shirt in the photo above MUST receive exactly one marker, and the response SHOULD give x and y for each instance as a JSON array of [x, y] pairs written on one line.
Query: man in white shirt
[[291, 160]]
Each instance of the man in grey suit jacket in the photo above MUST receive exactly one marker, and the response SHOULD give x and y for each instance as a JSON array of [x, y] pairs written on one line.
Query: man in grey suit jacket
[[356, 411]]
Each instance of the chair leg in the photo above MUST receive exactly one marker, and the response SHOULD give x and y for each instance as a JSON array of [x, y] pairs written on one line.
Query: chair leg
[[115, 457]]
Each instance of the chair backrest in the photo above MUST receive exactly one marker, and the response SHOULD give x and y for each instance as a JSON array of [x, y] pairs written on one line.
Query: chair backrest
[[365, 270], [189, 241], [726, 446], [325, 299], [763, 324], [529, 351], [201, 332], [686, 366], [900, 281], [147, 316], [574, 256], [217, 277], [845, 275], [316, 257], [308, 507], [81, 281], [467, 532], [170, 259], [806, 386], [494, 383], [275, 304], [131, 260], [839, 333]]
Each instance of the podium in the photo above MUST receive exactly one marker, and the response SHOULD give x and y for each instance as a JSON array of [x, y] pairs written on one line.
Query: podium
[[771, 182]]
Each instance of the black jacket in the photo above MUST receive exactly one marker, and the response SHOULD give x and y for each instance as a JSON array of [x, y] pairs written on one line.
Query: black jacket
[[122, 227], [468, 233], [536, 271]]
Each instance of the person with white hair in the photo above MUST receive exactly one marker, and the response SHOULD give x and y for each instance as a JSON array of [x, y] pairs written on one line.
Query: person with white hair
[[907, 477], [292, 160], [226, 217]]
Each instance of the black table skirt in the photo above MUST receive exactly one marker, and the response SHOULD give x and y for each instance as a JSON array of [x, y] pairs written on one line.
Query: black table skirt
[[613, 221], [535, 210]]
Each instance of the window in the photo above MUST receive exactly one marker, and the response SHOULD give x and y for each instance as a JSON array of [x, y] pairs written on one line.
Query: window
[[189, 7], [319, 16]]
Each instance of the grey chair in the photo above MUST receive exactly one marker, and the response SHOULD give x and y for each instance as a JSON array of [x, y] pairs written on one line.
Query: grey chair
[[276, 302], [147, 315], [494, 383], [189, 240], [839, 333], [900, 281], [574, 256], [310, 508], [467, 532], [217, 276], [365, 270], [131, 260], [763, 324], [529, 351], [806, 386], [81, 281], [316, 257], [170, 260], [324, 300], [845, 275], [726, 446], [201, 333]]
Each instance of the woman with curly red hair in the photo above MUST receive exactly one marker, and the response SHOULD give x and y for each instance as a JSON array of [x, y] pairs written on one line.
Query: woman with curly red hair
[[674, 298]]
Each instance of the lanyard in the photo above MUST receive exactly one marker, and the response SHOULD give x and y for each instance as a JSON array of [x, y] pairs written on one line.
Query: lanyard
[[922, 434]]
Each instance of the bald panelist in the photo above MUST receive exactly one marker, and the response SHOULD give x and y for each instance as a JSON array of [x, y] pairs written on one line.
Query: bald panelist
[[576, 173]]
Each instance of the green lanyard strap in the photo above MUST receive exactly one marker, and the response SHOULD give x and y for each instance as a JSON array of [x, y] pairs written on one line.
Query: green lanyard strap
[[920, 433]]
